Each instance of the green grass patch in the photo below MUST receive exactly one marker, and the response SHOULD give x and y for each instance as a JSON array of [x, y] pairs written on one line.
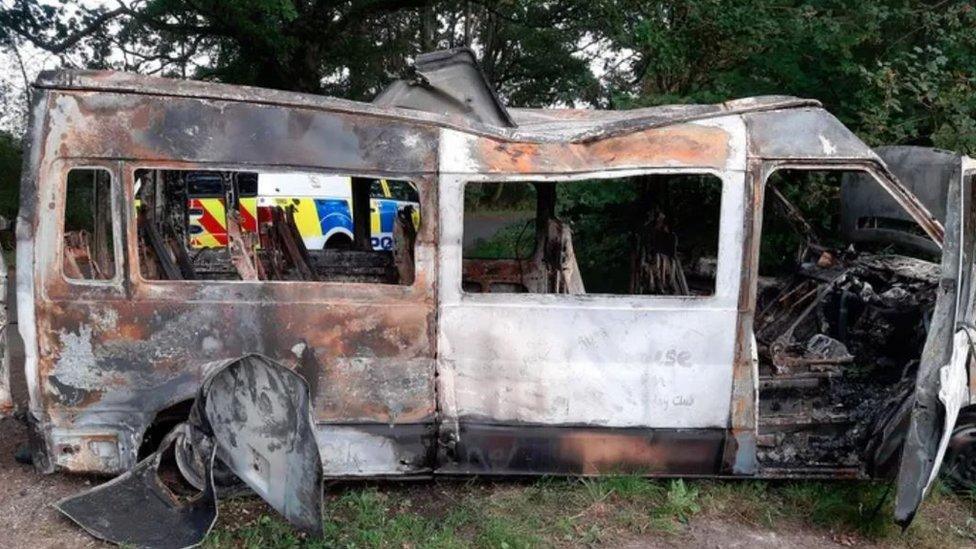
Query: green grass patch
[[594, 511]]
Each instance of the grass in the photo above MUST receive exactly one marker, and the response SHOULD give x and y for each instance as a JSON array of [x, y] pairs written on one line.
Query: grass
[[596, 512]]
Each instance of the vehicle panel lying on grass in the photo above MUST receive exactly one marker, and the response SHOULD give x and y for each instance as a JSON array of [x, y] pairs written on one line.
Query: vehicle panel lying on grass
[[423, 360]]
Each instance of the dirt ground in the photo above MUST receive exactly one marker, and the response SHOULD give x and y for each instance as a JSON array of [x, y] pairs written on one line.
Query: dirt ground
[[26, 516]]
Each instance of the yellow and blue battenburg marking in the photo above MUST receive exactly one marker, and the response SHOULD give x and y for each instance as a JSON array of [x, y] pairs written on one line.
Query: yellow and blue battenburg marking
[[318, 218]]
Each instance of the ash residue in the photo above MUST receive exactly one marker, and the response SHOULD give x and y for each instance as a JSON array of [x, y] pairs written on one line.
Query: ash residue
[[831, 366]]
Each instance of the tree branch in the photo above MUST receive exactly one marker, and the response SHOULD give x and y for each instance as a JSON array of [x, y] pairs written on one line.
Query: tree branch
[[70, 41]]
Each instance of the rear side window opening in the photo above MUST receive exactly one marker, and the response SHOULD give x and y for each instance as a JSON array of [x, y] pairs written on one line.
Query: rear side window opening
[[652, 234], [280, 226], [89, 240]]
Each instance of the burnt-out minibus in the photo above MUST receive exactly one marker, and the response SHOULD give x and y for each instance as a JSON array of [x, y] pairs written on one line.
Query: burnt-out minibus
[[586, 292]]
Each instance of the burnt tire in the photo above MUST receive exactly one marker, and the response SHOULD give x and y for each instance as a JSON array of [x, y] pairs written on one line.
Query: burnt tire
[[959, 465]]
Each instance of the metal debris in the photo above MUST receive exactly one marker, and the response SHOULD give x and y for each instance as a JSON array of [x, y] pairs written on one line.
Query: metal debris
[[845, 358], [141, 509], [254, 416]]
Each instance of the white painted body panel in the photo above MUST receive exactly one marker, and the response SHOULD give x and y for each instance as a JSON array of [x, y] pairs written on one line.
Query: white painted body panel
[[312, 185], [611, 367], [607, 360]]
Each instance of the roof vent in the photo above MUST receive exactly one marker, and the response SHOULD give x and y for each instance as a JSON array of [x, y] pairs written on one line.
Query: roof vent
[[448, 82]]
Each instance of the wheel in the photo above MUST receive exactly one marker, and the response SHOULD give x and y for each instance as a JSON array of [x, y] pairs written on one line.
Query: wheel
[[959, 466], [191, 453], [338, 241], [190, 459]]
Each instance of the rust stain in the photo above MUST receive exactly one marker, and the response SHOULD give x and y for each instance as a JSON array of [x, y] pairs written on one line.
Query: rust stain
[[607, 452], [680, 145]]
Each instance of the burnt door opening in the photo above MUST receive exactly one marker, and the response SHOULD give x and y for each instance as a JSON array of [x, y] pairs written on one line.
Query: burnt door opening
[[587, 323], [840, 327]]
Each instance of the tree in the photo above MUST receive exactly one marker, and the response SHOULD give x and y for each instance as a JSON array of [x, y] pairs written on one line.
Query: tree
[[895, 71], [923, 90], [350, 49]]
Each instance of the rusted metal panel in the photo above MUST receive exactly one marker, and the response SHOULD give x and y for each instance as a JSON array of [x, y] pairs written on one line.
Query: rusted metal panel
[[804, 133], [449, 82], [534, 125], [969, 173], [740, 450], [696, 145], [125, 126], [941, 387], [106, 356], [138, 509], [255, 416]]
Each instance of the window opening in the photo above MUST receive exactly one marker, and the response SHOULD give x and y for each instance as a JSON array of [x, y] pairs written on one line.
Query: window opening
[[280, 226], [654, 234], [89, 239]]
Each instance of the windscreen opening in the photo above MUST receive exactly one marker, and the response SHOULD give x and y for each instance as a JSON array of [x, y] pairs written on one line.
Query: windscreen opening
[[654, 234], [280, 226]]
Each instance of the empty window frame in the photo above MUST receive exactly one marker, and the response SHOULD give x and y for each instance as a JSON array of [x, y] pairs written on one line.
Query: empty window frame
[[297, 226], [89, 239], [653, 234]]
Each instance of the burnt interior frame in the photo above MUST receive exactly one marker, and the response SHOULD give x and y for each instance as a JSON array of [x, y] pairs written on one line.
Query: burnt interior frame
[[547, 190], [131, 167]]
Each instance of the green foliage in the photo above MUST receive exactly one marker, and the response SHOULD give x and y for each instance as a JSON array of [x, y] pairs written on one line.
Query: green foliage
[[607, 215], [816, 194], [626, 487], [923, 90], [530, 50], [896, 71], [10, 163], [513, 241]]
